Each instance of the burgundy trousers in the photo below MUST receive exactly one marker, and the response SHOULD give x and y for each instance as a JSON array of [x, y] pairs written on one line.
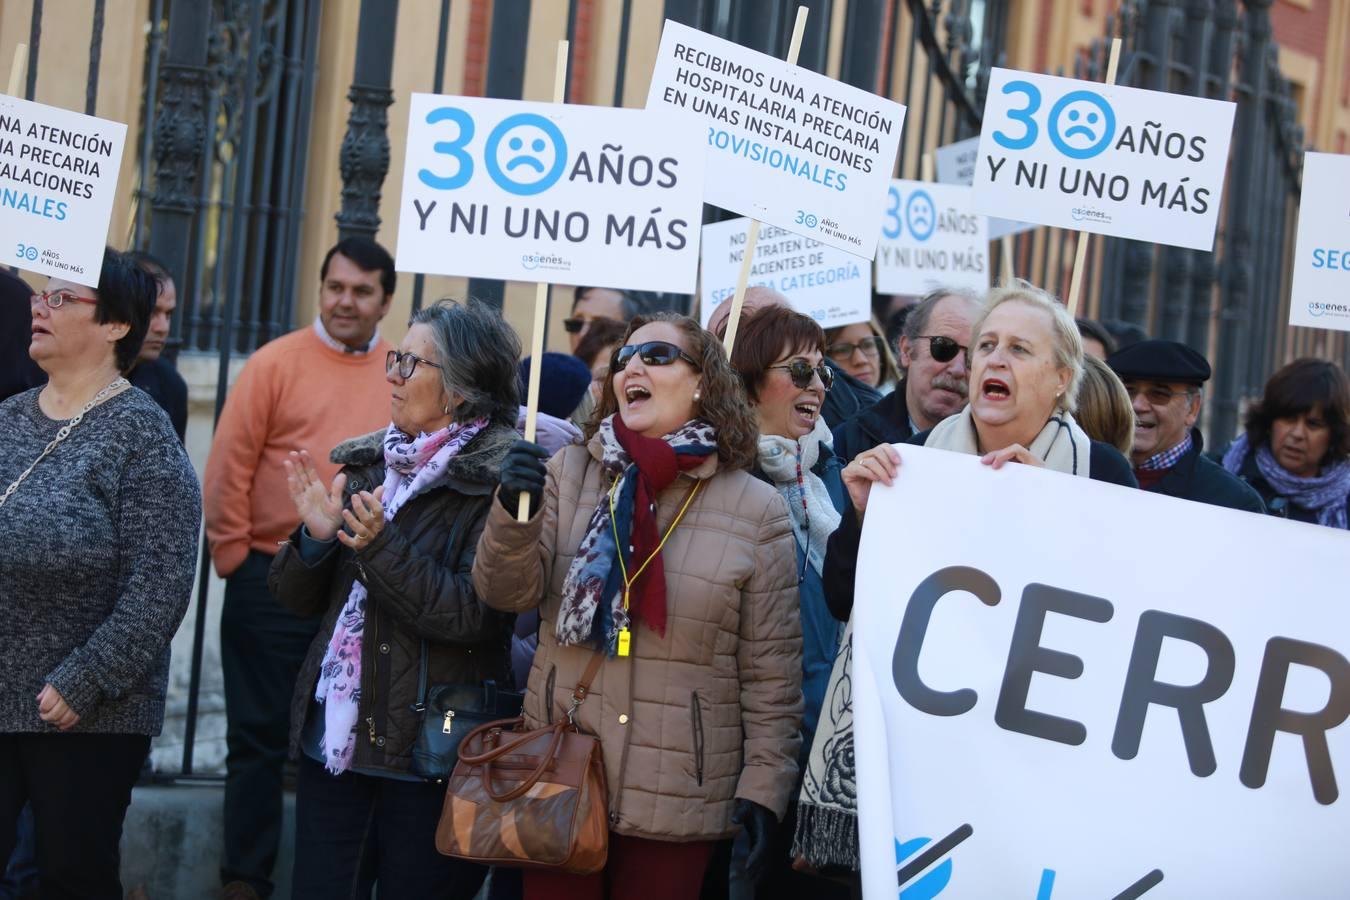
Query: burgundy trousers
[[637, 869]]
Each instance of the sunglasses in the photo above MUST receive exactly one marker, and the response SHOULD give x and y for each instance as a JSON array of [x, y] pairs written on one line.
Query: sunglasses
[[801, 372], [406, 362], [652, 353], [942, 349], [1156, 396], [575, 326], [870, 346]]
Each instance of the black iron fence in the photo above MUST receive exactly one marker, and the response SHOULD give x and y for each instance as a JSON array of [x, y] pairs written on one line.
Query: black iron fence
[[223, 140]]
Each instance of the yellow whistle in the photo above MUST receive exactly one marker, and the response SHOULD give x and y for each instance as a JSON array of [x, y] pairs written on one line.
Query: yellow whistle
[[624, 639]]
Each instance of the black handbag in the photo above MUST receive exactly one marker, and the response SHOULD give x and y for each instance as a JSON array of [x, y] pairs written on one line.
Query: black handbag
[[449, 712]]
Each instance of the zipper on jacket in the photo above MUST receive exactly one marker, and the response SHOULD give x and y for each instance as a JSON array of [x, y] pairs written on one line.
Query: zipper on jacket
[[548, 692], [696, 720]]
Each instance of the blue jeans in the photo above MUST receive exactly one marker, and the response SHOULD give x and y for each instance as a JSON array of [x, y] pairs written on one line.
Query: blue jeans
[[353, 832], [21, 876]]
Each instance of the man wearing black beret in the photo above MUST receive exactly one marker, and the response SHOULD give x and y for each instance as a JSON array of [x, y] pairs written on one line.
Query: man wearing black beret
[[1164, 380]]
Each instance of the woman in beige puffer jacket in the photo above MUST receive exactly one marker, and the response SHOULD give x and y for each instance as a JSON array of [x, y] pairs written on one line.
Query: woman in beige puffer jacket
[[699, 723]]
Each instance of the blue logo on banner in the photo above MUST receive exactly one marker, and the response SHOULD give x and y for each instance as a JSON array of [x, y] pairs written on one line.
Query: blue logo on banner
[[930, 884], [1081, 124], [921, 215], [533, 158]]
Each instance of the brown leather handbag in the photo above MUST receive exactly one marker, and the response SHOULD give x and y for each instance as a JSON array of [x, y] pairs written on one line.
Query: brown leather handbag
[[532, 799]]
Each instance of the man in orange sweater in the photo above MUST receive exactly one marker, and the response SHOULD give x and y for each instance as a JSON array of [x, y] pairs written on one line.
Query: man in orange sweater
[[310, 389]]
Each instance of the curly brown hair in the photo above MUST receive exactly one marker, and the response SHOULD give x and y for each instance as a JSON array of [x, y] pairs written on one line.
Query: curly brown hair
[[723, 404], [1300, 387]]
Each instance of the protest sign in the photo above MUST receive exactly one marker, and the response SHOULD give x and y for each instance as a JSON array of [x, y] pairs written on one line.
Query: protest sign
[[58, 175], [956, 165], [786, 146], [550, 193], [1042, 711], [1321, 291], [1103, 158], [827, 284], [931, 237]]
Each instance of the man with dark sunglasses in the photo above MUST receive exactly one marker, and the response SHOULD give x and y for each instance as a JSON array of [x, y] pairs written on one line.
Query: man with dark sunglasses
[[933, 362], [1165, 381], [591, 303]]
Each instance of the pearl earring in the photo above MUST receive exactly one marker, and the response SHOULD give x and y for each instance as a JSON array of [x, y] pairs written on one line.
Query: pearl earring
[[698, 395]]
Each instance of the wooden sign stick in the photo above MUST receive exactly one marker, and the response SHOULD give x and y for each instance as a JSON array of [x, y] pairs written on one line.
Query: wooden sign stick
[[16, 70], [752, 237], [1006, 242], [1084, 237], [926, 168], [540, 310]]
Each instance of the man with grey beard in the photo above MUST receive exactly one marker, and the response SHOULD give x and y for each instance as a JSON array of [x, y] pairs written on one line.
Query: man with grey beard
[[933, 350]]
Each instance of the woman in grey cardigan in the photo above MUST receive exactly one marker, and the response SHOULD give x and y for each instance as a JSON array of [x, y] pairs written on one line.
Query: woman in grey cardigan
[[99, 510]]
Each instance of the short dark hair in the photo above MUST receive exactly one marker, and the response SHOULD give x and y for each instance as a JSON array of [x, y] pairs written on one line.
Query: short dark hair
[[152, 264], [629, 304], [1096, 331], [600, 333], [126, 293], [1126, 334], [478, 355], [761, 339], [1298, 388], [368, 257]]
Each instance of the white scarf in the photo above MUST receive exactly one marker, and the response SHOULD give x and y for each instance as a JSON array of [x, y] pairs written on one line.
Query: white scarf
[[1061, 445], [780, 458]]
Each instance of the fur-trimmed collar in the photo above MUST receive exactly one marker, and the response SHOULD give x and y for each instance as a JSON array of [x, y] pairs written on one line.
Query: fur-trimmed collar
[[478, 463]]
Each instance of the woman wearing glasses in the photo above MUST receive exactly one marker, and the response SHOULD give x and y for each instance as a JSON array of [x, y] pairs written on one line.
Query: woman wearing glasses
[[861, 351], [384, 555], [698, 700], [99, 510], [779, 355]]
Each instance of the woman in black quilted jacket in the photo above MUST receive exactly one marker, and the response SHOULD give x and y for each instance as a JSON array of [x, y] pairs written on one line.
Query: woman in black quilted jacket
[[385, 552]]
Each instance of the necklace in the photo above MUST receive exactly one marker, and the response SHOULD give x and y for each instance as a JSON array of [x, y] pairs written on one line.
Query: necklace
[[625, 636], [115, 385]]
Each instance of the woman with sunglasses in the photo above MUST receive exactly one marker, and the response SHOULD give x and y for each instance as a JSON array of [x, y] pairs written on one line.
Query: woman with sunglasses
[[99, 511], [779, 355], [861, 351], [656, 548], [383, 554]]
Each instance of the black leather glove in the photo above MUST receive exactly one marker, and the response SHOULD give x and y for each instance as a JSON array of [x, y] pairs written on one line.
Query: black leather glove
[[522, 473], [750, 849]]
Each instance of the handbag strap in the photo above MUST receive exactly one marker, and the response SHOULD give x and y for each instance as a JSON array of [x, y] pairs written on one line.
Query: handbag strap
[[583, 688], [421, 705]]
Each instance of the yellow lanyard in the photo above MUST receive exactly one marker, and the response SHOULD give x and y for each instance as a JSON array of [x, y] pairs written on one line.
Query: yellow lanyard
[[625, 637]]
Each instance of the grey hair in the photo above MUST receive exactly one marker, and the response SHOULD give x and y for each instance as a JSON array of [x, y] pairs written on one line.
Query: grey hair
[[916, 324], [1068, 343], [478, 355]]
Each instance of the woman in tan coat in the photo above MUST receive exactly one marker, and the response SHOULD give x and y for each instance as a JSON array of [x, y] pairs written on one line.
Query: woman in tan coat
[[698, 702]]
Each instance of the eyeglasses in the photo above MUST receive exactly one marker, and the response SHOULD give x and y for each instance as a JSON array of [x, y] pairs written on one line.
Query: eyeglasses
[[575, 326], [942, 349], [406, 362], [54, 299], [801, 373], [652, 353], [1156, 396], [870, 346]]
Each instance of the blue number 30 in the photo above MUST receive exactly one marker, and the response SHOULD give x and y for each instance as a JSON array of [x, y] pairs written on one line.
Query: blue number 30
[[1023, 115], [454, 149]]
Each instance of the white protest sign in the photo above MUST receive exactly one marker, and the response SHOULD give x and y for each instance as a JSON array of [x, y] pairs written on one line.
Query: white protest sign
[[931, 237], [1321, 291], [1043, 711], [550, 193], [956, 165], [827, 284], [58, 175], [785, 145], [1103, 158]]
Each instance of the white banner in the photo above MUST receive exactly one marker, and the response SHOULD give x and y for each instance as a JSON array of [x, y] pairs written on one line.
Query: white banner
[[1321, 292], [1094, 157], [956, 165], [829, 285], [931, 237], [550, 192], [1060, 698], [58, 175], [785, 145]]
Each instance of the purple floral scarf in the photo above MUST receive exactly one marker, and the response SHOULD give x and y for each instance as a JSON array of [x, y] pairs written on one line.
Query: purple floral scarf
[[1325, 494], [412, 466]]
